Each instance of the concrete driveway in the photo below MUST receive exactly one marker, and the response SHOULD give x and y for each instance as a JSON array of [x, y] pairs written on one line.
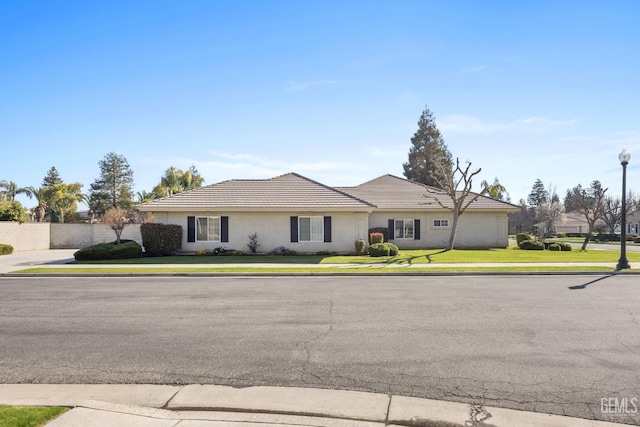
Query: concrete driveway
[[27, 259]]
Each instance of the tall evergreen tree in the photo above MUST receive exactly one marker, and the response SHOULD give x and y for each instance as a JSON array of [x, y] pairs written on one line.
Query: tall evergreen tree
[[52, 178], [114, 188], [427, 149], [538, 195]]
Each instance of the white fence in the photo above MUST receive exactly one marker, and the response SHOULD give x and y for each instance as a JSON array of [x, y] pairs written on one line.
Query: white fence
[[37, 236]]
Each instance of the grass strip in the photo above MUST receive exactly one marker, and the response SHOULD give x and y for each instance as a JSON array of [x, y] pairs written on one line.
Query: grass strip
[[28, 416], [425, 256], [308, 270]]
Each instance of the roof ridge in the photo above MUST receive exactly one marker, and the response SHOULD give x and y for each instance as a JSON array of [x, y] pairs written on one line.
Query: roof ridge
[[331, 188]]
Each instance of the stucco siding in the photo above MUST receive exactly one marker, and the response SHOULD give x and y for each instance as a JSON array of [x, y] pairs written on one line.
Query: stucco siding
[[475, 229], [274, 230]]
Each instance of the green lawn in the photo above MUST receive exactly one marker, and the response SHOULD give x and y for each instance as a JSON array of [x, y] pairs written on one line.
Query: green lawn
[[431, 256], [28, 416]]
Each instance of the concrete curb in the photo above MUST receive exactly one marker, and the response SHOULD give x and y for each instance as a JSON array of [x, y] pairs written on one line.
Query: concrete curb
[[225, 406]]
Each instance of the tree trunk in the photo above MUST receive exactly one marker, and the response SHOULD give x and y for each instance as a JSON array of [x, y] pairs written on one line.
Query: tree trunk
[[586, 239], [454, 229]]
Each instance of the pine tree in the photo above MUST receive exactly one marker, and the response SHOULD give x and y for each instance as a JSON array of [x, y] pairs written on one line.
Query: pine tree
[[428, 147], [114, 188], [52, 178]]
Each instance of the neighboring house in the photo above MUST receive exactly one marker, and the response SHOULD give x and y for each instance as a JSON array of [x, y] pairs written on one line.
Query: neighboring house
[[633, 224], [574, 223], [307, 216]]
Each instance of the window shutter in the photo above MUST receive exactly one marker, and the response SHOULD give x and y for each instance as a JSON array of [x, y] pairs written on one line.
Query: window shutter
[[327, 229], [294, 229], [416, 229], [392, 229], [224, 229], [191, 229]]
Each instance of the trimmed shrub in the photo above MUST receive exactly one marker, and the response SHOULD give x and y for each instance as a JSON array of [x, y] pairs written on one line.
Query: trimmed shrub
[[5, 249], [383, 230], [554, 247], [376, 237], [161, 239], [636, 239], [561, 234], [383, 249], [521, 237], [379, 249], [361, 247], [532, 245], [125, 250], [564, 246]]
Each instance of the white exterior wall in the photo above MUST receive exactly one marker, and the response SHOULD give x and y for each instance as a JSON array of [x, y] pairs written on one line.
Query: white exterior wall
[[475, 229], [28, 236], [273, 230]]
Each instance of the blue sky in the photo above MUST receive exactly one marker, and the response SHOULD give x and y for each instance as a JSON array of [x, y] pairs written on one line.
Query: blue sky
[[330, 89]]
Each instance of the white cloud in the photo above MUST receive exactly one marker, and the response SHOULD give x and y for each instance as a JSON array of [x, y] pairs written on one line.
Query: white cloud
[[471, 124], [297, 86]]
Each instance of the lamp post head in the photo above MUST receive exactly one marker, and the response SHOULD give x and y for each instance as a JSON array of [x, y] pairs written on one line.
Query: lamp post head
[[624, 156]]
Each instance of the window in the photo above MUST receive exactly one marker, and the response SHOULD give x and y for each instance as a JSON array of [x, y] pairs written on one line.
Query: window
[[403, 229], [440, 223], [208, 229], [310, 229]]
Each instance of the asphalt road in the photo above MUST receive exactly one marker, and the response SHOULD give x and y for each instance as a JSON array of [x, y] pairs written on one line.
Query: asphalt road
[[555, 344]]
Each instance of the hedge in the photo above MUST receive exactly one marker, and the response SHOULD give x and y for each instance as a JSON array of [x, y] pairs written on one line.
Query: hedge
[[383, 249], [161, 239], [5, 249], [521, 237], [125, 250], [383, 230], [532, 245]]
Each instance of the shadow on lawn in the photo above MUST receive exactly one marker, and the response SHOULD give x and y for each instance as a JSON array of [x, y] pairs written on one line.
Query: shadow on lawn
[[410, 259]]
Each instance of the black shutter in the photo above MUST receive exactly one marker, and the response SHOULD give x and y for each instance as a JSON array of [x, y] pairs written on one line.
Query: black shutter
[[327, 229], [392, 229], [191, 229], [416, 229], [294, 229], [224, 229]]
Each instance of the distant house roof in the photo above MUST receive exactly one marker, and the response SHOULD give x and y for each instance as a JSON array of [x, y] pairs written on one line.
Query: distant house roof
[[392, 192], [289, 191]]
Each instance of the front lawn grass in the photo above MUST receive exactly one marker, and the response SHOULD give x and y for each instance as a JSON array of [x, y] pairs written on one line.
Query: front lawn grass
[[426, 256], [28, 416]]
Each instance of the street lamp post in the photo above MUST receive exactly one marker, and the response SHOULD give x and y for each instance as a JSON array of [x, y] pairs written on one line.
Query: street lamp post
[[624, 157]]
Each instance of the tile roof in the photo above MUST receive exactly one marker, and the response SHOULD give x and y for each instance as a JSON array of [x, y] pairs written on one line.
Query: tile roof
[[392, 192], [289, 191]]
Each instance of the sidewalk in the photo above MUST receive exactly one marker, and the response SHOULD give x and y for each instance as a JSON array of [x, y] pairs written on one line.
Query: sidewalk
[[224, 406], [60, 257]]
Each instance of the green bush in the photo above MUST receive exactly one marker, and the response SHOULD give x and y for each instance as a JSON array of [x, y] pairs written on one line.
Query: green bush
[[6, 249], [12, 211], [554, 247], [561, 234], [361, 247], [125, 250], [564, 246], [521, 237], [532, 245], [383, 249], [161, 239]]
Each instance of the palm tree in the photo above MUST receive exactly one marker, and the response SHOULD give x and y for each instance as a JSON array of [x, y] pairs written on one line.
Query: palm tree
[[10, 191], [144, 196], [40, 194], [62, 200]]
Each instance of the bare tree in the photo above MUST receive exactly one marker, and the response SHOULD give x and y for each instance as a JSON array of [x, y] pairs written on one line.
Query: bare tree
[[591, 204], [550, 214], [116, 218], [456, 195]]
